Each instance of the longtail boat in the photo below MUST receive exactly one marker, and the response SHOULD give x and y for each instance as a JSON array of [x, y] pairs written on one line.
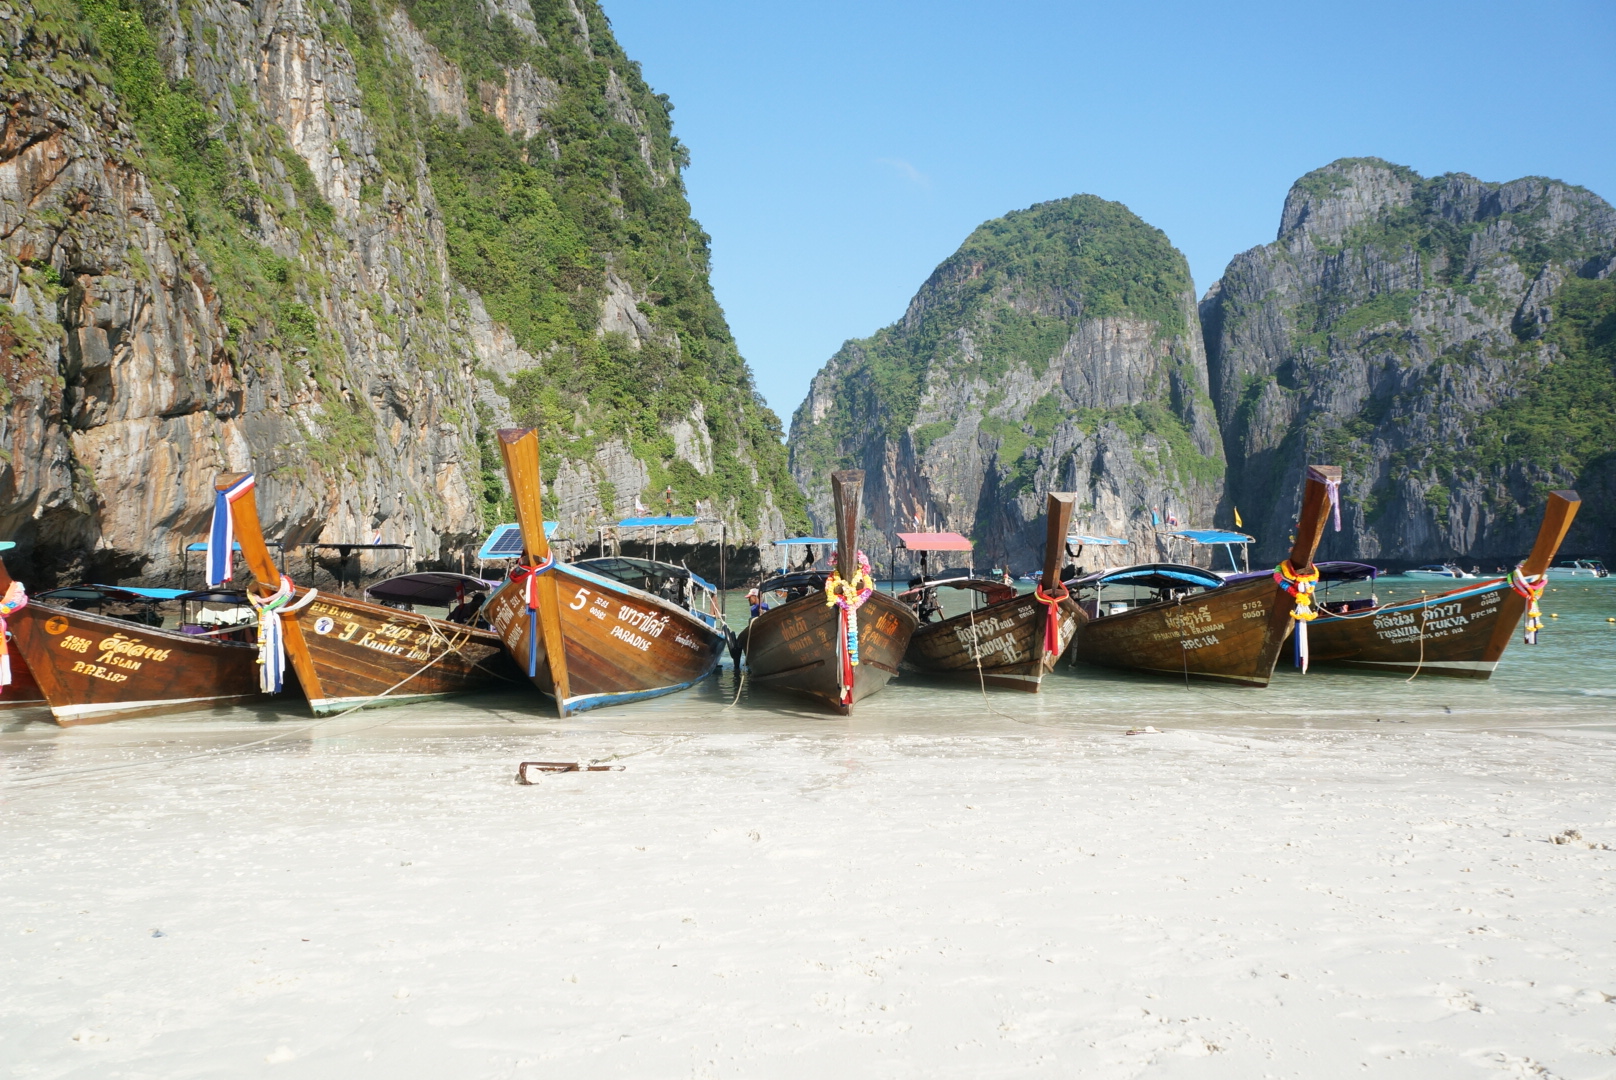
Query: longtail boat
[[348, 653], [1228, 632], [90, 667], [583, 632], [837, 639], [1461, 633], [1013, 640]]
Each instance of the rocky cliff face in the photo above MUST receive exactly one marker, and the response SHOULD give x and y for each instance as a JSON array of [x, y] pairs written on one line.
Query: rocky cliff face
[[1058, 349], [340, 241], [1448, 342]]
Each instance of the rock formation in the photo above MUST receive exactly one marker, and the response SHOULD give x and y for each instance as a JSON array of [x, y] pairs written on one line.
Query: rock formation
[[339, 243], [1450, 343], [1058, 349]]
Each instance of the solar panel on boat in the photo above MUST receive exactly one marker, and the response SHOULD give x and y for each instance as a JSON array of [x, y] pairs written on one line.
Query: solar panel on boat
[[505, 542]]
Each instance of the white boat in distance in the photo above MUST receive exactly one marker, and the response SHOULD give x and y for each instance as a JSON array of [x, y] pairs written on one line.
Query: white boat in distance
[[1438, 570], [1583, 568]]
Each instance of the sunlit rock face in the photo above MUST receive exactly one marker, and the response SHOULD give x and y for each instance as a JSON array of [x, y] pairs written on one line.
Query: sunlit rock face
[[1446, 341], [1058, 349], [247, 236]]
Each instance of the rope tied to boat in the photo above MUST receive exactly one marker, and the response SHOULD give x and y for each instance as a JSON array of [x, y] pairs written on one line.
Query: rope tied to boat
[[1530, 588], [271, 635], [848, 596], [15, 599], [528, 578], [1051, 602], [1332, 488], [1300, 586]]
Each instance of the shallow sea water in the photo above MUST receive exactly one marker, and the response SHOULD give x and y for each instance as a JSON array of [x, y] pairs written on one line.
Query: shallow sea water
[[1337, 874]]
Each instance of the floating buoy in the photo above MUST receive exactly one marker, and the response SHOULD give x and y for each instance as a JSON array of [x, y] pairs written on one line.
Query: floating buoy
[[1554, 614], [1610, 620]]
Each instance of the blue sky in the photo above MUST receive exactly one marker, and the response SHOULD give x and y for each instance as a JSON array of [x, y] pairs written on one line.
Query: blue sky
[[841, 150]]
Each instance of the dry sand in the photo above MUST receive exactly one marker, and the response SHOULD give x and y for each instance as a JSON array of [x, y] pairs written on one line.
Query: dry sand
[[380, 899]]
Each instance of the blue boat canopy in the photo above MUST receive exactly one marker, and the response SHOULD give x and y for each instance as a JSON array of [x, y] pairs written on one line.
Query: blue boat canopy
[[797, 541], [6, 545], [1086, 540], [655, 522], [122, 593], [505, 542], [1212, 536], [1153, 576]]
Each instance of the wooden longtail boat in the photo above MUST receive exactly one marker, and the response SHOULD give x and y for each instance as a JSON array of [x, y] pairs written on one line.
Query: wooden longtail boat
[[349, 653], [1009, 642], [1461, 633], [91, 668], [801, 645], [1229, 633], [18, 688], [584, 638]]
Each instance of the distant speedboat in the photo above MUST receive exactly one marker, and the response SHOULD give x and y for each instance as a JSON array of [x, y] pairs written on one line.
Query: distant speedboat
[[1583, 568], [1438, 570]]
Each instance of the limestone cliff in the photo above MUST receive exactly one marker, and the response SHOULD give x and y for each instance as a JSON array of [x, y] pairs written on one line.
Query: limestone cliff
[[1448, 342], [1058, 349], [340, 241]]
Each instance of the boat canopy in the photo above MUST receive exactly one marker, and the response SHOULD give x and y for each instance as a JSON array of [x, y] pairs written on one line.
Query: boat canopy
[[6, 545], [1328, 571], [1152, 576], [798, 541], [1096, 540], [655, 522], [1212, 536], [941, 541], [638, 572], [124, 594], [429, 587], [505, 542], [993, 590], [214, 596]]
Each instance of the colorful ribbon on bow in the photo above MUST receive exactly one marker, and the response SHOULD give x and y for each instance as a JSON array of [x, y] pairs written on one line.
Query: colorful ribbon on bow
[[1332, 487], [527, 577], [1300, 587], [15, 599], [271, 635], [222, 535], [1052, 616], [1531, 590], [848, 597]]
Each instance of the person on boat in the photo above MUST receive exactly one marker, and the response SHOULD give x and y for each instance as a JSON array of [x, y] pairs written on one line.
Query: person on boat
[[756, 603], [466, 610]]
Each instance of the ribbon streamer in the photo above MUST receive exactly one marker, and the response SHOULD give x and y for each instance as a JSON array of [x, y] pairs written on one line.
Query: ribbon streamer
[[271, 635], [848, 596], [528, 578], [15, 599], [1332, 487], [1530, 589], [1300, 587], [222, 535], [1052, 616]]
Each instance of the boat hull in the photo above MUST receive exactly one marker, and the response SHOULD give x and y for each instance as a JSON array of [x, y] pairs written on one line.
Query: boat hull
[[23, 692], [1458, 634], [91, 668], [355, 653], [1231, 634], [621, 645], [793, 647], [1002, 641]]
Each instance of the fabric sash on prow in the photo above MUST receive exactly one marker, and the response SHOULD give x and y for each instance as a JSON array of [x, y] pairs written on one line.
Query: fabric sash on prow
[[1297, 574], [846, 492], [1049, 591], [1530, 577], [520, 449], [278, 638]]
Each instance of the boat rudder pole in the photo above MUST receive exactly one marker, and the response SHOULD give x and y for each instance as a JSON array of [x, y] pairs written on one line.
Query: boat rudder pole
[[520, 449]]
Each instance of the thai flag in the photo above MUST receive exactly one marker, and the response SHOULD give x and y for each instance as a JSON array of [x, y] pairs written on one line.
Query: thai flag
[[222, 537], [376, 539], [1172, 519]]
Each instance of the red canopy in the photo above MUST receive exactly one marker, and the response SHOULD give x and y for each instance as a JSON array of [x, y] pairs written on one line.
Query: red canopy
[[934, 542]]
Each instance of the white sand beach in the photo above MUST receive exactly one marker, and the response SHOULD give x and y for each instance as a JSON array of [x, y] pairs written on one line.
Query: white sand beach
[[781, 895]]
